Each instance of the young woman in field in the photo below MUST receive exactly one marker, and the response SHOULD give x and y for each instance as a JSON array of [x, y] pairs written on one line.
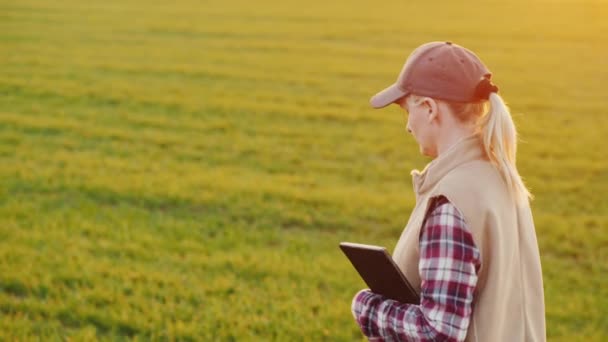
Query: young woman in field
[[469, 247]]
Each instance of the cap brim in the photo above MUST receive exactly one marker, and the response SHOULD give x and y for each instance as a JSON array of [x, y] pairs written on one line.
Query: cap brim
[[387, 96]]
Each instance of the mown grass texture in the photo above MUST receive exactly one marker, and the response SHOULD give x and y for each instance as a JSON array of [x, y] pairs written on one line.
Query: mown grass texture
[[184, 170]]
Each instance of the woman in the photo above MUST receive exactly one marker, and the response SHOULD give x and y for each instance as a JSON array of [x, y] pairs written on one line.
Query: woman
[[469, 247]]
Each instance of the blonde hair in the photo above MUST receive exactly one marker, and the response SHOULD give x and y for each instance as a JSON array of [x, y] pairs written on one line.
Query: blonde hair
[[499, 135]]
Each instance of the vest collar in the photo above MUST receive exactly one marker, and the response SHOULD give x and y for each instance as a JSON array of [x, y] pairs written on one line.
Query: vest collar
[[464, 151]]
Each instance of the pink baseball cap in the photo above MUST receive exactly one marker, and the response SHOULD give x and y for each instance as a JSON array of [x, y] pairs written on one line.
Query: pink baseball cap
[[441, 70]]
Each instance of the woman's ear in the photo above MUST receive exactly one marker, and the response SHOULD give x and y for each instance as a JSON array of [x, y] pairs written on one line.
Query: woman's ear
[[431, 108]]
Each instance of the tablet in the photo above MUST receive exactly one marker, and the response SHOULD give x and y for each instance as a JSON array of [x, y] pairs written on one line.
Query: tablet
[[379, 271]]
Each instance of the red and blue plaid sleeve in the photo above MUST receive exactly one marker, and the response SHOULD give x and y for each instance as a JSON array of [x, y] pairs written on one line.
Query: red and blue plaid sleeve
[[449, 262]]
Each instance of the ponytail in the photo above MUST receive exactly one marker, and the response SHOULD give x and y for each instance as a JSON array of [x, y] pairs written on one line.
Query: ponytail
[[500, 143]]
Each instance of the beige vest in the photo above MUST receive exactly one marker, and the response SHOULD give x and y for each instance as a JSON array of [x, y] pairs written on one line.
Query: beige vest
[[509, 302]]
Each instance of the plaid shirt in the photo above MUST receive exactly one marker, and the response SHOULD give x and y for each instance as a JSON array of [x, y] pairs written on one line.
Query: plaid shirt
[[449, 262]]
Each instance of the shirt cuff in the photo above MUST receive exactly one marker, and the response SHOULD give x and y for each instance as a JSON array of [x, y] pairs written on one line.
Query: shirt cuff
[[364, 311]]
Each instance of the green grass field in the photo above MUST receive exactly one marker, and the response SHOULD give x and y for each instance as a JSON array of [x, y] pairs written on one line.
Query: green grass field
[[185, 171]]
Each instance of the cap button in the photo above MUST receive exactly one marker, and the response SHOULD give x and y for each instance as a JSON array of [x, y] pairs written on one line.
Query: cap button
[[449, 43]]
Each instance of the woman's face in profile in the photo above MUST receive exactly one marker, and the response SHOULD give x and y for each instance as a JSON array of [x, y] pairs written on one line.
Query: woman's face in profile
[[419, 125]]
